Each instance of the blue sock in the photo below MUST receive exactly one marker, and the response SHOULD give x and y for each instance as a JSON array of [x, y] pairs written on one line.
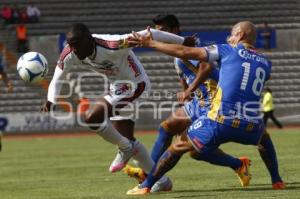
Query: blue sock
[[166, 162], [268, 154], [162, 142], [218, 157]]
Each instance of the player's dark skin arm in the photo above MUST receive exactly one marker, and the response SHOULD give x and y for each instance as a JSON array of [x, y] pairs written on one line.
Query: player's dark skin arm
[[180, 51], [183, 84], [202, 74]]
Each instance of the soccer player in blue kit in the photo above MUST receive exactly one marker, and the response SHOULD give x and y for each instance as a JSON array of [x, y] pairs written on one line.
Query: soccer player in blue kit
[[177, 122], [234, 114], [182, 118]]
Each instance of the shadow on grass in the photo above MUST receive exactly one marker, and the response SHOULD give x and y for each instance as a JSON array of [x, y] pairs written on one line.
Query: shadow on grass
[[86, 197], [196, 193], [289, 186], [210, 192]]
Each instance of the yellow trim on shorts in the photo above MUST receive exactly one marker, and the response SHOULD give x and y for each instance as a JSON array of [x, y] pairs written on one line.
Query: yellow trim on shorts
[[235, 123], [250, 127]]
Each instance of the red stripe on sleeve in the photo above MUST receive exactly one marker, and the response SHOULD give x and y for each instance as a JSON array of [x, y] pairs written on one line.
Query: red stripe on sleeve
[[67, 50], [108, 44]]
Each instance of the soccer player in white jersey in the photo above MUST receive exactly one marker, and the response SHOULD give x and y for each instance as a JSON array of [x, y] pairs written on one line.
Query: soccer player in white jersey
[[110, 55]]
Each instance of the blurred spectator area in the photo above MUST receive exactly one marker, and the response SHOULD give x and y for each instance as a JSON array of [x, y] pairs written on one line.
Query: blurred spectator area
[[122, 16], [19, 13]]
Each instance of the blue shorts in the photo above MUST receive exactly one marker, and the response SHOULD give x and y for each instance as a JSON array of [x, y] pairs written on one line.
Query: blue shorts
[[206, 135], [193, 109]]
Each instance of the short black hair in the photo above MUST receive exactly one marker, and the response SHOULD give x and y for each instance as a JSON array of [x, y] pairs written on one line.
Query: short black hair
[[79, 31], [169, 20]]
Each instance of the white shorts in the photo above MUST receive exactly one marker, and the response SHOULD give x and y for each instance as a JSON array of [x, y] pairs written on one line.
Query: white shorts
[[123, 93]]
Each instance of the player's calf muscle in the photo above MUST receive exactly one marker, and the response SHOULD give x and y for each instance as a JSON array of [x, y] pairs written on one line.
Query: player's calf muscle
[[125, 128], [181, 146]]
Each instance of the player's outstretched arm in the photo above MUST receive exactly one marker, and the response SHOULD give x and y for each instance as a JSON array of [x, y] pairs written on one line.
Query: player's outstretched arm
[[161, 36], [175, 50], [179, 51], [155, 34]]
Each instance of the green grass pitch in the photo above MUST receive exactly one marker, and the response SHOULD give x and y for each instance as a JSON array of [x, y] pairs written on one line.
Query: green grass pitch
[[77, 168]]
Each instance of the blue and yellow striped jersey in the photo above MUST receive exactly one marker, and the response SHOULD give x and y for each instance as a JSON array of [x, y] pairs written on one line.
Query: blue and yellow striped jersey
[[243, 72], [187, 70]]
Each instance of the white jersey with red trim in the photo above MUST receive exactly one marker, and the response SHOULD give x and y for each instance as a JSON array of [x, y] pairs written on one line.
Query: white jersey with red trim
[[121, 64], [111, 57]]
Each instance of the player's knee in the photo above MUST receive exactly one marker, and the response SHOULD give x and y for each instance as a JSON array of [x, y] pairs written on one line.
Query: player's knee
[[180, 148], [92, 125], [94, 120], [265, 136], [174, 149], [172, 126]]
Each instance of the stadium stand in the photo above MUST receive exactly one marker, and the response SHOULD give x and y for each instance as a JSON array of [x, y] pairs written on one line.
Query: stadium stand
[[110, 17]]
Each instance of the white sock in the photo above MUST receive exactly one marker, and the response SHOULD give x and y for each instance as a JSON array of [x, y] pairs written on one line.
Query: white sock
[[111, 135], [142, 158]]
